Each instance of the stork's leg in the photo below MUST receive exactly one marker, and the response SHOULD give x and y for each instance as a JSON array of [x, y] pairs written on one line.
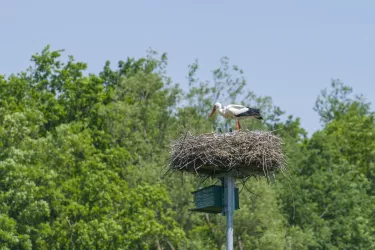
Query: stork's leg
[[238, 125]]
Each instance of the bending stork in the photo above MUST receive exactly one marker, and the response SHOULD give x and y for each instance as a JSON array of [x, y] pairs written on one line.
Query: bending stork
[[236, 112]]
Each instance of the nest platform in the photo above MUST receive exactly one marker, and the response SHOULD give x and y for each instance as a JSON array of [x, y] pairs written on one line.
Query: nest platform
[[240, 154]]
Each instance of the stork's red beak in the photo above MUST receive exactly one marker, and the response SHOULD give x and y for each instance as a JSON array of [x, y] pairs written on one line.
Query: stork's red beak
[[213, 111]]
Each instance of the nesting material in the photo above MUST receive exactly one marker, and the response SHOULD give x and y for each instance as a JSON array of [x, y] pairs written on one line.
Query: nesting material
[[241, 153]]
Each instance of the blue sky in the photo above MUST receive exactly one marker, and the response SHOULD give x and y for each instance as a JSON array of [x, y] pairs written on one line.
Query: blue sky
[[289, 50]]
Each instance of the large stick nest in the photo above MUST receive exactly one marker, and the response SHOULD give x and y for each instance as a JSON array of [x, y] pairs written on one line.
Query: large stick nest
[[240, 153]]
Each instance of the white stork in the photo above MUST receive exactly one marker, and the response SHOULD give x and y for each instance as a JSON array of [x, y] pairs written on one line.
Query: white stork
[[236, 112]]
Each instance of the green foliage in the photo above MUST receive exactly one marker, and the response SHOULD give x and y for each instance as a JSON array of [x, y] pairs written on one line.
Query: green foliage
[[333, 180], [334, 104], [82, 156], [62, 186]]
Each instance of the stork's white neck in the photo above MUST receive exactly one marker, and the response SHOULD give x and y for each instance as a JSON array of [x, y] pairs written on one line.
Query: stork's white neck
[[221, 109]]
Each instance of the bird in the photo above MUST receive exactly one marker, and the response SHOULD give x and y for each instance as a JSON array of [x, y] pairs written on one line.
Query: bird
[[236, 112]]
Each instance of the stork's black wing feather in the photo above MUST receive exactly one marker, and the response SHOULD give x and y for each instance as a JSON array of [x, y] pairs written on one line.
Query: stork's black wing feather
[[251, 112]]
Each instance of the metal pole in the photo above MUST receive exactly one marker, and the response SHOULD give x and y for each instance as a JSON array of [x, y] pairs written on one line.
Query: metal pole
[[228, 203], [229, 208]]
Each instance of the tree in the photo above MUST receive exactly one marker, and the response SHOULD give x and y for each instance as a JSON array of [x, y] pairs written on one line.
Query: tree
[[332, 185], [333, 104], [61, 187]]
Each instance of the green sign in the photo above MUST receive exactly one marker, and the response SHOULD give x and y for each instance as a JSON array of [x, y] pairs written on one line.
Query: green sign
[[210, 199]]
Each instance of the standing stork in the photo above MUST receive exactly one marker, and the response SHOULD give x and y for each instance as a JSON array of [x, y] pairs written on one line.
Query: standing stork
[[236, 112]]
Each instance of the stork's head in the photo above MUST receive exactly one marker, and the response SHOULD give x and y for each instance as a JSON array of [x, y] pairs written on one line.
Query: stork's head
[[216, 106]]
